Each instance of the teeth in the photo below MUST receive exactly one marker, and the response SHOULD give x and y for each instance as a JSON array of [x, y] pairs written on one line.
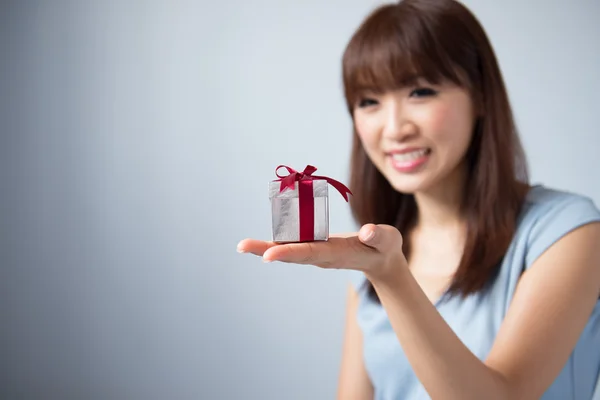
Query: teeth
[[409, 156]]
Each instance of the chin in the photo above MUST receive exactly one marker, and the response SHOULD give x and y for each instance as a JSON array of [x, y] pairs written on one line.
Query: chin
[[407, 180], [408, 185]]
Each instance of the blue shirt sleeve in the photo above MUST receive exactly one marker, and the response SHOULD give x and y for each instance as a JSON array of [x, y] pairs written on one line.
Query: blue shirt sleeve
[[557, 219]]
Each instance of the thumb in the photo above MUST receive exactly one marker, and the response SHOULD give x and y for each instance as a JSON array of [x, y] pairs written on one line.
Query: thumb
[[380, 237]]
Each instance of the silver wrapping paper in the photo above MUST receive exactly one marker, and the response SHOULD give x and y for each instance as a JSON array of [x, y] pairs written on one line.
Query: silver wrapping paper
[[285, 212]]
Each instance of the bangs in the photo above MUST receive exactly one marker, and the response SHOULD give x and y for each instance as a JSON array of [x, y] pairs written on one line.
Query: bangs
[[392, 50]]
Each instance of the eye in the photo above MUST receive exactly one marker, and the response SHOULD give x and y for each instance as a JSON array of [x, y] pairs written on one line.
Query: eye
[[422, 92], [366, 102]]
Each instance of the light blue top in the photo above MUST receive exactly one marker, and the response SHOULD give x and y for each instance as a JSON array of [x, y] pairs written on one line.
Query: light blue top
[[547, 216]]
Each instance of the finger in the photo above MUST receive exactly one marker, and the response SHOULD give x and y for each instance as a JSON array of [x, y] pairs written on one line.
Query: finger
[[344, 235], [366, 234], [320, 253], [254, 246], [380, 237]]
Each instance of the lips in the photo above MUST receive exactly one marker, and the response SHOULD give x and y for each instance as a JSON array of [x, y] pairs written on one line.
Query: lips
[[410, 159]]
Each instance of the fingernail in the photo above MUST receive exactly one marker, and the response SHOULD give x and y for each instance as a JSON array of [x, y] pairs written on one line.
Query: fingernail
[[266, 260], [240, 250], [369, 235]]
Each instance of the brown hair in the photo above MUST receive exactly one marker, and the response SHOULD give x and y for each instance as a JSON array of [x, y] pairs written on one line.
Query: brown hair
[[440, 40]]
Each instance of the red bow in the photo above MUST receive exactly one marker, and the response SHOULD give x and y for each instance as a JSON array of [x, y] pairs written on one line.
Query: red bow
[[288, 181]]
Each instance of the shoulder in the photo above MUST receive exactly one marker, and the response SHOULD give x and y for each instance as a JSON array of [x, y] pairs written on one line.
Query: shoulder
[[541, 197], [548, 214]]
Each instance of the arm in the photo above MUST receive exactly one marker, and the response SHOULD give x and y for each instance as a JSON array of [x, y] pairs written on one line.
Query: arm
[[353, 384], [551, 306]]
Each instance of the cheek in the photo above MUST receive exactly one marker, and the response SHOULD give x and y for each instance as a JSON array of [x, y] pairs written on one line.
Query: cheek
[[450, 124], [366, 132]]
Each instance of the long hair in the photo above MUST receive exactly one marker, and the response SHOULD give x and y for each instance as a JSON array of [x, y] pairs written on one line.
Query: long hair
[[440, 40]]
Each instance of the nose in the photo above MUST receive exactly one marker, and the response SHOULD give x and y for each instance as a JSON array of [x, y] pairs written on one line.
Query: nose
[[398, 125]]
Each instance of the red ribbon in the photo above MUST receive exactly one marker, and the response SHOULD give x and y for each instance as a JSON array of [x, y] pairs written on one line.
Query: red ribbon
[[306, 195]]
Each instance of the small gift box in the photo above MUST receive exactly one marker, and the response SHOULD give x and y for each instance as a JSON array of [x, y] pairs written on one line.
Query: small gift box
[[300, 205]]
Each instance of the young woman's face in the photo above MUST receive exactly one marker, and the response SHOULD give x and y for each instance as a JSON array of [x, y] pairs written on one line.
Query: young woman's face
[[416, 136]]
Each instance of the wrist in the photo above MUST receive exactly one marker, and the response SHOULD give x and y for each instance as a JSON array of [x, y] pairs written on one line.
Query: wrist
[[390, 276]]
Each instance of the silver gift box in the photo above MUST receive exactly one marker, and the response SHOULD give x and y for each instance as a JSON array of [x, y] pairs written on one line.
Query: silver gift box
[[285, 210]]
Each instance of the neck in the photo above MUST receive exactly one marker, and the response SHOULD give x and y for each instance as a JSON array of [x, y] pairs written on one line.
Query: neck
[[440, 207]]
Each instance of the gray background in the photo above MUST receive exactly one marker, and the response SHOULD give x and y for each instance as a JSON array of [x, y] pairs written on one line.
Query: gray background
[[137, 140]]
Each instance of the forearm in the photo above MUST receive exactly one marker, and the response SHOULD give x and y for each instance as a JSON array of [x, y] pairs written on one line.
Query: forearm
[[444, 365]]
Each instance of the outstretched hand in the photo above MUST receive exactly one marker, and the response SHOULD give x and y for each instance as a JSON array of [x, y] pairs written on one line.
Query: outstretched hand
[[374, 249]]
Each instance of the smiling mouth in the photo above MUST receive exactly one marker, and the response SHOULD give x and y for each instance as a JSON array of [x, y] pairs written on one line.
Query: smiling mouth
[[410, 156], [409, 161]]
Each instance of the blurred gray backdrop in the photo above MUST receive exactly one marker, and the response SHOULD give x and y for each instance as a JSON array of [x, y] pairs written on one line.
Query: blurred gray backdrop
[[137, 139]]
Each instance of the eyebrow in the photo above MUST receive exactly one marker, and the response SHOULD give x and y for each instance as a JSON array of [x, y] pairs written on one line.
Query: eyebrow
[[411, 79]]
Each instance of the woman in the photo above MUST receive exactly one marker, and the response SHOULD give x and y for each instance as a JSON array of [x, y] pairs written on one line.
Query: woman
[[468, 283]]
